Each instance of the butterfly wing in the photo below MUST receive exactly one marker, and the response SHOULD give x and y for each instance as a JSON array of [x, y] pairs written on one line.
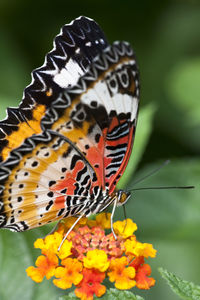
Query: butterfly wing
[[74, 49], [75, 163], [109, 95], [113, 100]]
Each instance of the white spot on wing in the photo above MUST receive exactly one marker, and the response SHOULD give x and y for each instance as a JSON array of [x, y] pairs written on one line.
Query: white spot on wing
[[69, 75], [134, 108], [120, 103], [89, 44], [101, 90]]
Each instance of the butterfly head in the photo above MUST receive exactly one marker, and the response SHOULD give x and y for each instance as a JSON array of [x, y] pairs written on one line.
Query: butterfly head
[[122, 197]]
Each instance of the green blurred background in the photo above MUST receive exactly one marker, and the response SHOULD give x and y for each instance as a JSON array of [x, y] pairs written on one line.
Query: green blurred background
[[166, 38]]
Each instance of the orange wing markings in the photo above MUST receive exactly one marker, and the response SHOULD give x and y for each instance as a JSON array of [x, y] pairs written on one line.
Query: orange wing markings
[[95, 156], [81, 137], [49, 217], [67, 183], [59, 202], [30, 204], [35, 187], [25, 130], [28, 198]]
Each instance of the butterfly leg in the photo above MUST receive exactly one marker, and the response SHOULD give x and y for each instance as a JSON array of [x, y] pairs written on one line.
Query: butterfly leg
[[77, 220], [54, 228], [125, 217], [111, 218]]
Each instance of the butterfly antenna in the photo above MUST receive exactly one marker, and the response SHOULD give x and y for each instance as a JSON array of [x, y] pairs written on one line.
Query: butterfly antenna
[[164, 188], [124, 210], [125, 216], [151, 173]]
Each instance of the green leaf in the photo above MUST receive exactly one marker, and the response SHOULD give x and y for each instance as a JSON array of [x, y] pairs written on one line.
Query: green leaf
[[68, 297], [14, 258], [184, 289], [111, 294], [114, 294], [143, 132], [168, 213], [16, 254]]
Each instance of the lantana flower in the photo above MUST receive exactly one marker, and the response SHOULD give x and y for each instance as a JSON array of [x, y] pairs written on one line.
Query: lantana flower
[[45, 266], [91, 284], [89, 255], [91, 262], [70, 273], [121, 273]]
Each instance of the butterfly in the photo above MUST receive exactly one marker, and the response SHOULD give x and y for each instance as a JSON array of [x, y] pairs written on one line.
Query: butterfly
[[65, 147]]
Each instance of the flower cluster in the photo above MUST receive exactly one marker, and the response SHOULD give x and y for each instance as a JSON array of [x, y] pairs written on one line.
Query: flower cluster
[[89, 255]]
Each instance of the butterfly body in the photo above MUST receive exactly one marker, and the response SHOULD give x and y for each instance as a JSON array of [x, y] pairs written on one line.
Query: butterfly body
[[66, 146]]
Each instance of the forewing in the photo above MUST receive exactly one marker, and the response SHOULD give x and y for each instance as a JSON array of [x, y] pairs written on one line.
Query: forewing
[[74, 49]]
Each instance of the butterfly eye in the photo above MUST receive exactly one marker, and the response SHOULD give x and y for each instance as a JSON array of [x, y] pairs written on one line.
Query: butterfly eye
[[123, 197]]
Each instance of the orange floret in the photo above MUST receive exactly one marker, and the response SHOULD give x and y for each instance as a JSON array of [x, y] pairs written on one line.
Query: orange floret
[[120, 274], [142, 281], [69, 274], [45, 266], [90, 285], [144, 249]]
